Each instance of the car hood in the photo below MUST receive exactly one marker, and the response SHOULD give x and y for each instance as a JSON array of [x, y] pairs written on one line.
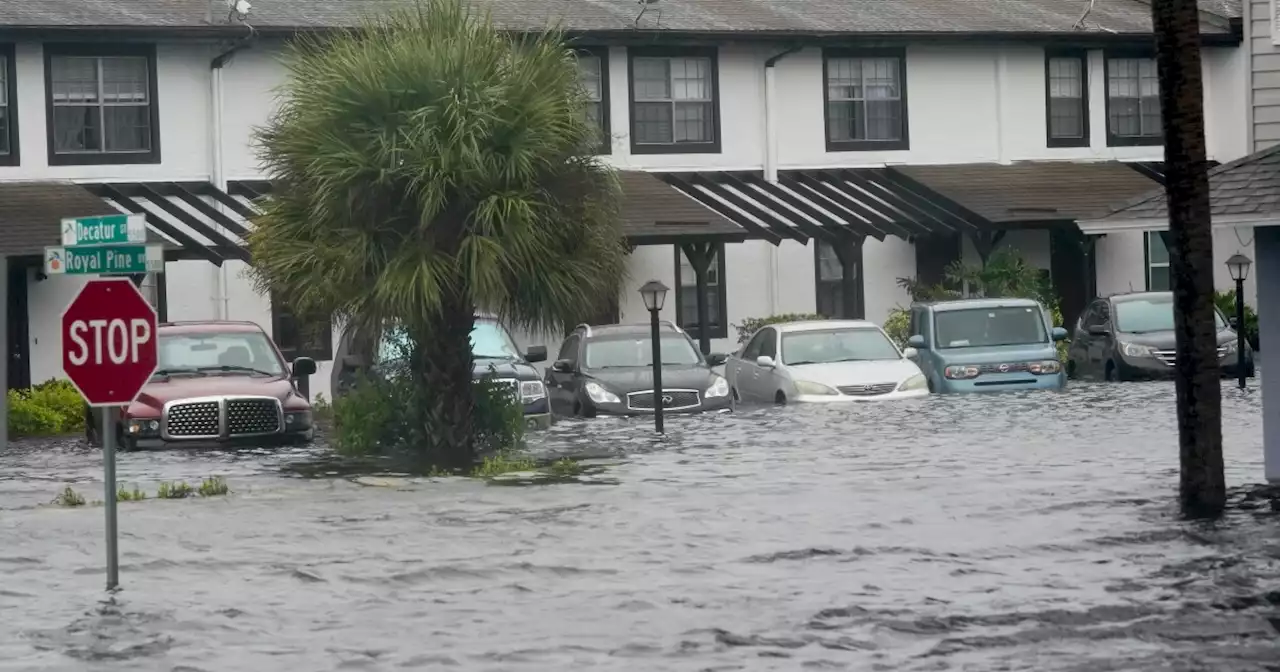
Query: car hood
[[159, 392], [639, 379], [504, 368], [1165, 340], [998, 354], [835, 374]]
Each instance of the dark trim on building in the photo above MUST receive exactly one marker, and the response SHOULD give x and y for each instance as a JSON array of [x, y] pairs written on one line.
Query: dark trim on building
[[722, 296], [1155, 169], [855, 249], [1128, 52], [903, 143], [14, 157], [161, 195], [1083, 57], [606, 101], [52, 50], [712, 53]]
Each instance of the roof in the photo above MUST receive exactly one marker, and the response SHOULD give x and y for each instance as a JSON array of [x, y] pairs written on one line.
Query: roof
[[30, 213], [1137, 296], [823, 325], [1248, 187], [610, 330], [777, 17], [965, 304], [1034, 190], [209, 326], [655, 212]]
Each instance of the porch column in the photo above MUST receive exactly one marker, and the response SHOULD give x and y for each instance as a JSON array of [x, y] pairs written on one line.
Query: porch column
[[699, 256], [1267, 248], [4, 354], [849, 253]]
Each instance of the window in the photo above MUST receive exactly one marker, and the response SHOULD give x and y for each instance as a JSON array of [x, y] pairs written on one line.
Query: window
[[687, 297], [1133, 100], [637, 352], [194, 351], [673, 101], [866, 99], [989, 327], [569, 350], [101, 105], [297, 337], [593, 71], [837, 345], [828, 284], [1157, 263], [1067, 98], [8, 107], [755, 348], [1146, 315]]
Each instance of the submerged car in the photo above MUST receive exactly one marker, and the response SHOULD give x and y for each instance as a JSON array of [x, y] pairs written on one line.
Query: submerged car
[[822, 361], [1130, 337], [495, 353], [986, 345], [608, 370], [216, 382]]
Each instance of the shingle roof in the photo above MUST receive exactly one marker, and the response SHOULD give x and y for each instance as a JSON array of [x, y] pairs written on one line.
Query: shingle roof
[[1244, 187], [1033, 190], [807, 17], [31, 212], [654, 211]]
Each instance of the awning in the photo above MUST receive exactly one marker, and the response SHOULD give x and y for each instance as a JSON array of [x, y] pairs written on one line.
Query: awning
[[31, 212], [195, 219], [1244, 192], [1031, 193], [827, 204], [653, 213]]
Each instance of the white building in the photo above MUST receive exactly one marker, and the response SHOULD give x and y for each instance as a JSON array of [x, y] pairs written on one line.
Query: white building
[[895, 136]]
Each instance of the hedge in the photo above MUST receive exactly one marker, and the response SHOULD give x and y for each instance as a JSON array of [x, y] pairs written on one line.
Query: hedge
[[51, 408]]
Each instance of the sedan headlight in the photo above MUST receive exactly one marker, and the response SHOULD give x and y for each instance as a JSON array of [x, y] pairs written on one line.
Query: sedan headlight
[[915, 382], [1048, 367], [1136, 350], [811, 388], [1229, 347], [532, 390], [598, 394], [720, 388]]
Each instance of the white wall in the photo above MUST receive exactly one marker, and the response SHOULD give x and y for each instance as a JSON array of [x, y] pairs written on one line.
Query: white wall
[[1121, 260]]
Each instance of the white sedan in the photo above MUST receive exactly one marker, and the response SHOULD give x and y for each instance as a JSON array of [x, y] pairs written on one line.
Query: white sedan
[[823, 361]]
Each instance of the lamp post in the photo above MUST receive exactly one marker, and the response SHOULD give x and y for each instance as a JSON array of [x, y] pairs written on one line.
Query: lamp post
[[1239, 265], [654, 294]]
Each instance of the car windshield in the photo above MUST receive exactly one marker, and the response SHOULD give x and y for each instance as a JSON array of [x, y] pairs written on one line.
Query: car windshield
[[489, 340], [836, 345], [214, 351], [987, 327], [1138, 316], [612, 353]]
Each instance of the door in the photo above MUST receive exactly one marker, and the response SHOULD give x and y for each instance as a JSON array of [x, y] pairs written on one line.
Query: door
[[562, 387], [18, 343], [746, 372], [918, 326], [766, 382]]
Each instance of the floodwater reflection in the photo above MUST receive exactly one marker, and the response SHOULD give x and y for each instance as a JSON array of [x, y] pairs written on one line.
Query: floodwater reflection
[[1013, 532]]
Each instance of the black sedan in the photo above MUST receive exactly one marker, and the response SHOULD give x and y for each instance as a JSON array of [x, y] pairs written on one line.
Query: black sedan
[[609, 371], [1130, 337]]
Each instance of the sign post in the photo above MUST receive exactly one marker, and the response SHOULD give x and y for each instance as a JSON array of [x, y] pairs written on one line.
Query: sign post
[[109, 352]]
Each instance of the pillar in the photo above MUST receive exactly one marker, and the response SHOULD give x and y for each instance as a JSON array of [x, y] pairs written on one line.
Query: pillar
[[4, 354], [1267, 267]]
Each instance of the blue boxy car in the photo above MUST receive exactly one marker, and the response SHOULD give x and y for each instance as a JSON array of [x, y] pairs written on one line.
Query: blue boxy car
[[986, 345]]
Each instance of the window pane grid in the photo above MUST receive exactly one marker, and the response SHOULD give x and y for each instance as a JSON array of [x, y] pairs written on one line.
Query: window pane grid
[[864, 99], [673, 101], [1133, 92], [591, 77], [689, 292], [1157, 264], [101, 105], [1066, 98]]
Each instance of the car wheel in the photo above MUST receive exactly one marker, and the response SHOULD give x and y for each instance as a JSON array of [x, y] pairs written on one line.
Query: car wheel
[[124, 444], [780, 399]]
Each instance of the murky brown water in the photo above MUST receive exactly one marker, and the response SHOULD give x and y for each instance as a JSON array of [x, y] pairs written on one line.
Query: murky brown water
[[1013, 532]]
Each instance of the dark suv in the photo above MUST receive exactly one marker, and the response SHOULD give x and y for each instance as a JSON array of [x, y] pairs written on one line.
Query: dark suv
[[1130, 337], [609, 370]]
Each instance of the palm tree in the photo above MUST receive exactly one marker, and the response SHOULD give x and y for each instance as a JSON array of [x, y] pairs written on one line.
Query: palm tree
[[1176, 24], [426, 166]]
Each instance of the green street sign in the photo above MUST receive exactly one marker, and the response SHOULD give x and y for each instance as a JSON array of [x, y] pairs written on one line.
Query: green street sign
[[107, 259], [105, 230]]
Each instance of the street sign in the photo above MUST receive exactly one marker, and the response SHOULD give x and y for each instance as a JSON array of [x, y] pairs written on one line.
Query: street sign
[[109, 348], [110, 259], [104, 230]]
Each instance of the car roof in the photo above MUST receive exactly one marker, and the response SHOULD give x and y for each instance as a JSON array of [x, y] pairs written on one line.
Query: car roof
[[624, 330], [968, 304], [209, 326], [1137, 296], [822, 325]]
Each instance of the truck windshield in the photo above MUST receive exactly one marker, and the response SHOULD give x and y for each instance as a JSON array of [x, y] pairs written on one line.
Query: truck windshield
[[987, 327], [231, 351], [489, 340]]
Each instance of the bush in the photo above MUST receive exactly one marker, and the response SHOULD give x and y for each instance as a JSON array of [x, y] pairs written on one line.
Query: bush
[[751, 325], [897, 325], [50, 408], [1226, 302]]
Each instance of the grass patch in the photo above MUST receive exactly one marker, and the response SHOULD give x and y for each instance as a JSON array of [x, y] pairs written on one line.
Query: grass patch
[[565, 468], [503, 463], [214, 486], [178, 490], [125, 495], [69, 497]]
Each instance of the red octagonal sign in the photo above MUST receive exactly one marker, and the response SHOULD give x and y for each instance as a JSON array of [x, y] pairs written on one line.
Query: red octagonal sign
[[109, 342]]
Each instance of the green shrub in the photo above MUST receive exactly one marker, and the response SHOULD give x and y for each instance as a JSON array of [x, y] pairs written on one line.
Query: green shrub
[[897, 325], [65, 399], [751, 325], [1226, 302], [50, 408]]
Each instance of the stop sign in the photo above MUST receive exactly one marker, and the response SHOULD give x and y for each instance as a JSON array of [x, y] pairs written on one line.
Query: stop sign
[[109, 342]]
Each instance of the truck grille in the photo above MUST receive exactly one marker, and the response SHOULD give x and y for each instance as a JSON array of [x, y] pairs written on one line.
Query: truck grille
[[678, 400], [872, 390], [222, 417], [194, 419], [1171, 356]]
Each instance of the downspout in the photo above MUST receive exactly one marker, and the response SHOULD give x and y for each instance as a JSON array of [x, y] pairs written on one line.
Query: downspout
[[1002, 68], [771, 161], [217, 175]]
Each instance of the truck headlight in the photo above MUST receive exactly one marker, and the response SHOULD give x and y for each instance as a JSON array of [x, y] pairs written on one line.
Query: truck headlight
[[598, 394], [720, 388], [532, 390], [811, 388]]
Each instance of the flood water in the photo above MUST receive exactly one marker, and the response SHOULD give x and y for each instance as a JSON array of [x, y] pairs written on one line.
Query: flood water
[[1011, 532]]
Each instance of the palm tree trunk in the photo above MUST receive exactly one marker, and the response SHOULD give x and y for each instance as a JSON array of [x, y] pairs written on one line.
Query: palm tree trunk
[[443, 376], [1177, 31]]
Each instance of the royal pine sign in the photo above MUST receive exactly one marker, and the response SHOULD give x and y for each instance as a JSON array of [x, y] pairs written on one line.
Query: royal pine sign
[[113, 259], [109, 348]]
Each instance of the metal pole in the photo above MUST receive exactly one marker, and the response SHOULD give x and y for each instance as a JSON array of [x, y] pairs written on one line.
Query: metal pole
[[657, 371], [109, 503], [1240, 372]]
